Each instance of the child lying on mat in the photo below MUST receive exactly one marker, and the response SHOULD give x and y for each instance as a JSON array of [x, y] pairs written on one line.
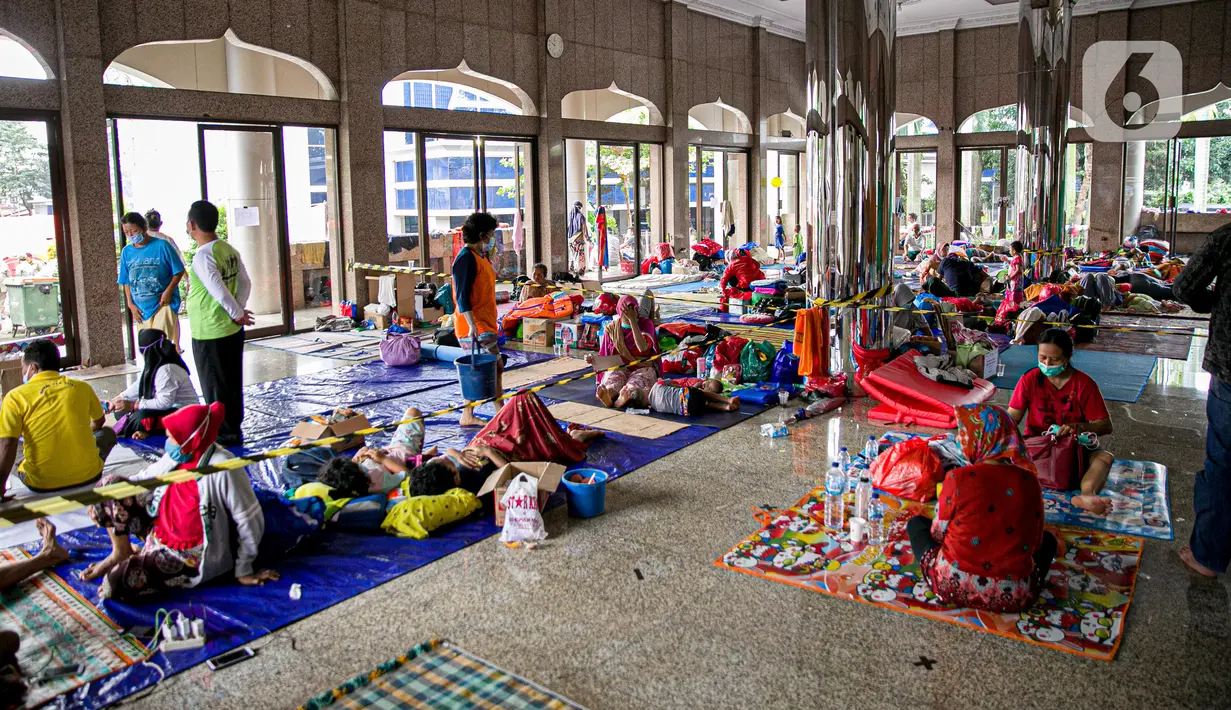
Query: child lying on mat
[[387, 467], [684, 398]]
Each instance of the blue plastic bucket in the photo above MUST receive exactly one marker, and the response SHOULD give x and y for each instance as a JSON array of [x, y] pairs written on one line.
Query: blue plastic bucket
[[586, 500], [477, 374]]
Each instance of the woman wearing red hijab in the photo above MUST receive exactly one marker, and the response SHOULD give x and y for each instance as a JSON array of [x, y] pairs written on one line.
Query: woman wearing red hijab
[[187, 527], [986, 549]]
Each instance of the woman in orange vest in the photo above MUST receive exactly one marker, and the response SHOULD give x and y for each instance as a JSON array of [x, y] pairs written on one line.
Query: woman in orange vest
[[474, 295]]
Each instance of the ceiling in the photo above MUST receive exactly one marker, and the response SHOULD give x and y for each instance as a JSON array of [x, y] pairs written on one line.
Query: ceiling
[[786, 17]]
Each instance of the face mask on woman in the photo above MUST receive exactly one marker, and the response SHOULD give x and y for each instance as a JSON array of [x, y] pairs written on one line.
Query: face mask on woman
[[176, 453], [138, 239], [1051, 370]]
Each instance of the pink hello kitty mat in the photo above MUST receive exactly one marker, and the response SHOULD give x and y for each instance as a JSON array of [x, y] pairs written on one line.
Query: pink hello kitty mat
[[1081, 609]]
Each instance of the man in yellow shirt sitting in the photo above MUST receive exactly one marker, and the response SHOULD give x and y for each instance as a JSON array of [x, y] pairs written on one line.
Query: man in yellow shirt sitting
[[60, 422]]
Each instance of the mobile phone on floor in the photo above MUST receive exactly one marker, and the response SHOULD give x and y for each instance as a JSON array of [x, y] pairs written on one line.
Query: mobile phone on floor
[[230, 658], [53, 674]]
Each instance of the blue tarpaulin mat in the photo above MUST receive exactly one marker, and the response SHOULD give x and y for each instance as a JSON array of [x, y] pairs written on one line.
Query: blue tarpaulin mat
[[711, 315], [1120, 376], [357, 385], [331, 566]]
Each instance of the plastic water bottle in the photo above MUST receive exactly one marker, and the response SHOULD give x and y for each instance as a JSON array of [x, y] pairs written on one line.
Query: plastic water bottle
[[701, 367], [871, 450], [876, 521], [835, 485], [844, 462], [863, 496]]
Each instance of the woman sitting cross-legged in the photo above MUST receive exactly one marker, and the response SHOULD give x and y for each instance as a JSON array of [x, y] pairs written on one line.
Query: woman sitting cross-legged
[[523, 430], [164, 386], [986, 549], [194, 531], [1061, 395], [634, 339]]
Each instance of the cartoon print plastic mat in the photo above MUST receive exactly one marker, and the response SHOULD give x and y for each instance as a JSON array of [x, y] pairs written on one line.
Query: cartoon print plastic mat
[[59, 628], [1137, 489], [1081, 609]]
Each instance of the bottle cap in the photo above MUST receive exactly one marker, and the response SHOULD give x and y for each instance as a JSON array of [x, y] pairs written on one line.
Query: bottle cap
[[842, 449]]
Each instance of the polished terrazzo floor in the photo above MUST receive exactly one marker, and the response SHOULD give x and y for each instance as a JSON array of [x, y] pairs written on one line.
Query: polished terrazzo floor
[[628, 611]]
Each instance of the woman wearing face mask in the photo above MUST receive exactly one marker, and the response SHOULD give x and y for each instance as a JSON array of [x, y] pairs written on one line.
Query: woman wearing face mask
[[194, 531], [150, 272], [1059, 394], [474, 293], [164, 386], [632, 336]]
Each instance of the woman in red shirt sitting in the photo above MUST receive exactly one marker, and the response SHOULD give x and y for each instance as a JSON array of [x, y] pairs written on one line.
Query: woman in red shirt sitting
[[1062, 395], [986, 549]]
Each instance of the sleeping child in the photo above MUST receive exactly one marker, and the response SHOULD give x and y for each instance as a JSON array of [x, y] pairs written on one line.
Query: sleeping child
[[687, 397]]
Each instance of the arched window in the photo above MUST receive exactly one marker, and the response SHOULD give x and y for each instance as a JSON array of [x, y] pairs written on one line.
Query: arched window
[[19, 61], [613, 105], [460, 89], [718, 116], [785, 124], [444, 96], [227, 64], [1002, 118], [917, 126]]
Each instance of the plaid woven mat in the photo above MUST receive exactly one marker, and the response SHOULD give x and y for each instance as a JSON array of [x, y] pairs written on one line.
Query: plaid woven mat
[[436, 674], [59, 628]]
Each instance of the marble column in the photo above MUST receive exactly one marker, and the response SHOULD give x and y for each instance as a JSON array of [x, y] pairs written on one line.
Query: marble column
[[675, 159], [87, 214], [361, 143]]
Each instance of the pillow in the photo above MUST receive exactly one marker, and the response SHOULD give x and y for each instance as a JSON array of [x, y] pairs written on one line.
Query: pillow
[[417, 516], [354, 514]]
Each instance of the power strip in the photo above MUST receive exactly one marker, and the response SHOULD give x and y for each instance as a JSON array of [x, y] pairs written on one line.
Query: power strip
[[194, 638]]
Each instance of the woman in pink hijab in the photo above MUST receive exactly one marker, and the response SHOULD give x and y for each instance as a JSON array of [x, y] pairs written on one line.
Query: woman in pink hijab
[[633, 338]]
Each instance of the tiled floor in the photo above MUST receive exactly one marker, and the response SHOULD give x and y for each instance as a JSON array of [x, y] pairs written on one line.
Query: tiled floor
[[628, 611]]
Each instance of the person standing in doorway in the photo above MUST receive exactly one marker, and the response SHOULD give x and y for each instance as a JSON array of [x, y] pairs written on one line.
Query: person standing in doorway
[[779, 237], [153, 218], [474, 293], [1209, 547], [150, 272], [216, 315]]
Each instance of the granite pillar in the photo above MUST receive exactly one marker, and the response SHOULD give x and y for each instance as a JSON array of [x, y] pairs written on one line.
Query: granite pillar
[[88, 225], [361, 143], [675, 160]]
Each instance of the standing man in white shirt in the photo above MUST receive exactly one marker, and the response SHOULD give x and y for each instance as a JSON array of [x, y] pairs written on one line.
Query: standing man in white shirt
[[154, 219], [216, 315]]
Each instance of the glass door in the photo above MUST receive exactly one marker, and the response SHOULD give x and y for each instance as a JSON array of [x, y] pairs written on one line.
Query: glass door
[[985, 195], [241, 174], [617, 250], [917, 193], [506, 193], [35, 269]]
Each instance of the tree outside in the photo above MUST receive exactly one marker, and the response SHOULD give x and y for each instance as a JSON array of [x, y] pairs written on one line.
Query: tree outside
[[24, 167]]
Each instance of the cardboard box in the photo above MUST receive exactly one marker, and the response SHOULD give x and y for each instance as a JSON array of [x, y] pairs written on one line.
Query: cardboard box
[[568, 331], [431, 315], [540, 331], [985, 365], [10, 375], [309, 430], [548, 475], [381, 322], [404, 292]]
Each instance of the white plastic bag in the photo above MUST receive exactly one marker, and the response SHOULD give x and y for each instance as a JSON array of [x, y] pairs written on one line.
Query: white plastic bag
[[523, 522]]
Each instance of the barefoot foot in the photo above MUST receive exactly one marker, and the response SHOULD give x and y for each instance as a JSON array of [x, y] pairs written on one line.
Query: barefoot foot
[[1186, 556], [1094, 504], [733, 405], [99, 569], [51, 550], [469, 419], [605, 397]]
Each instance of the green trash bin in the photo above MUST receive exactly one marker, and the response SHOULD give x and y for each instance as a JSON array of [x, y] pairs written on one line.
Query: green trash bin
[[34, 304]]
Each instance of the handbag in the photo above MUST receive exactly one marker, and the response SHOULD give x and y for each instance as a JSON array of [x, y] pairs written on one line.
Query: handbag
[[1060, 460], [400, 350]]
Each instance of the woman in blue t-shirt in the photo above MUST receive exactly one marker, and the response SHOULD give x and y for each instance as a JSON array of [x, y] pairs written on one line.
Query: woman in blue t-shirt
[[150, 270]]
